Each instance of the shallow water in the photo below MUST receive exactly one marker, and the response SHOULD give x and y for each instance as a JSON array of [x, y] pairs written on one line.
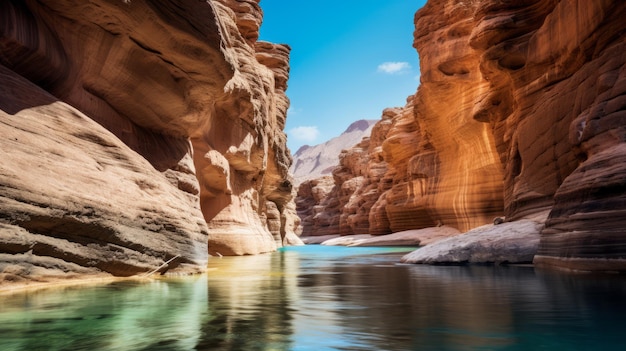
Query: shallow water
[[326, 298]]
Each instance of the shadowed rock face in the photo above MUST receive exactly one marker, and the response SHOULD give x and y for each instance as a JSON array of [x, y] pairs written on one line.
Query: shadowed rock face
[[135, 131], [520, 112], [582, 47], [558, 67]]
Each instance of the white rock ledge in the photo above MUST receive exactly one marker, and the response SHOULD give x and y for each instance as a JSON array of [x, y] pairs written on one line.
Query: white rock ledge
[[514, 242]]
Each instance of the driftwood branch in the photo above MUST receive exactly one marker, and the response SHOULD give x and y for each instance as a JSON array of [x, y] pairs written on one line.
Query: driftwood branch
[[161, 266]]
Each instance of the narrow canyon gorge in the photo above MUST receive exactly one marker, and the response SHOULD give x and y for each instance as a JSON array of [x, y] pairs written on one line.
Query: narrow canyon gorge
[[519, 120], [144, 135]]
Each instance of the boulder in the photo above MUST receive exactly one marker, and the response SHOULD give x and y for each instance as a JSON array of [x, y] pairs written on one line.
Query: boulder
[[513, 242]]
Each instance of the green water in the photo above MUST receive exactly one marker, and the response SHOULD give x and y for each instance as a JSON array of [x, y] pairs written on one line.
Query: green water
[[326, 298]]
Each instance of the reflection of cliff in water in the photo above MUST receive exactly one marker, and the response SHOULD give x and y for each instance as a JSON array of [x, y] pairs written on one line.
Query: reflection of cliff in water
[[316, 298], [369, 302], [250, 298], [452, 307], [127, 315]]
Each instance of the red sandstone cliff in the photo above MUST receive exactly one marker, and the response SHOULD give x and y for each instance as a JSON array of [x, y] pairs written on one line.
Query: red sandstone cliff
[[519, 114], [137, 131]]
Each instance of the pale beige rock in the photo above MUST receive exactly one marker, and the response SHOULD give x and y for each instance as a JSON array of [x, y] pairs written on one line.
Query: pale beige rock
[[318, 239], [173, 142], [347, 240], [514, 242], [72, 193], [291, 239], [415, 237]]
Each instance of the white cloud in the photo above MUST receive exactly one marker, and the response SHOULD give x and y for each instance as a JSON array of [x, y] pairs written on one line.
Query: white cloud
[[394, 67], [292, 111], [304, 133]]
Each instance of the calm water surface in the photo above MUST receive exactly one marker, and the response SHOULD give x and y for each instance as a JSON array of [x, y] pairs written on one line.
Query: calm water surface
[[326, 298]]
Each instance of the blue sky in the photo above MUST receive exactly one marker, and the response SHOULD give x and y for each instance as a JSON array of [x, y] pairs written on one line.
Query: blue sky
[[350, 60]]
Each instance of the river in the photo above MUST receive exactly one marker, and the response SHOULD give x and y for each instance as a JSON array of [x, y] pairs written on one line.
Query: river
[[326, 298]]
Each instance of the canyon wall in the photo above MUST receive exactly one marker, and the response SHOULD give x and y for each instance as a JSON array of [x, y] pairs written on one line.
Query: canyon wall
[[520, 114], [136, 132]]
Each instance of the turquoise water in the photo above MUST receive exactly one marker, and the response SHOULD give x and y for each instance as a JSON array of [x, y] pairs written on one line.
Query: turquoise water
[[326, 298]]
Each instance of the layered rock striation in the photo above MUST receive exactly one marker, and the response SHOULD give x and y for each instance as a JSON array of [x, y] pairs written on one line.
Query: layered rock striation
[[556, 73], [519, 115], [136, 132]]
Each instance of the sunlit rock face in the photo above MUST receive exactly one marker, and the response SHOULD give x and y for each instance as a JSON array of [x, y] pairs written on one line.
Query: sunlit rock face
[[135, 131], [341, 204], [241, 156], [520, 113], [429, 163], [456, 162]]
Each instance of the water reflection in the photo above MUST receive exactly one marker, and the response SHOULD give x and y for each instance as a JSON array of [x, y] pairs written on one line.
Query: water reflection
[[319, 298], [250, 303], [118, 316]]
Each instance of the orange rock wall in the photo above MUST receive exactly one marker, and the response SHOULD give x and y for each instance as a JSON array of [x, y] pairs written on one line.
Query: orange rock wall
[[343, 204], [429, 163], [556, 73], [519, 114]]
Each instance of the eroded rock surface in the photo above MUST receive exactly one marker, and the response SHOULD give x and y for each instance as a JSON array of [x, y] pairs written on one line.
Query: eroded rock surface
[[136, 131], [325, 205], [520, 112], [513, 242], [558, 76]]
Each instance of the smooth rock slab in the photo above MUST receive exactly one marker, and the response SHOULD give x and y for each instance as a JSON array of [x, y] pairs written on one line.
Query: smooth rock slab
[[308, 240], [347, 240], [514, 242], [414, 237]]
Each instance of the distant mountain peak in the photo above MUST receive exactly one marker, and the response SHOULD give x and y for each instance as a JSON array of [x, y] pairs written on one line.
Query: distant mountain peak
[[360, 125], [311, 162], [302, 148]]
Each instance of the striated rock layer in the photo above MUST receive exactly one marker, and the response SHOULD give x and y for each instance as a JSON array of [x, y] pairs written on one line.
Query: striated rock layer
[[135, 132], [556, 70], [341, 204], [520, 112]]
